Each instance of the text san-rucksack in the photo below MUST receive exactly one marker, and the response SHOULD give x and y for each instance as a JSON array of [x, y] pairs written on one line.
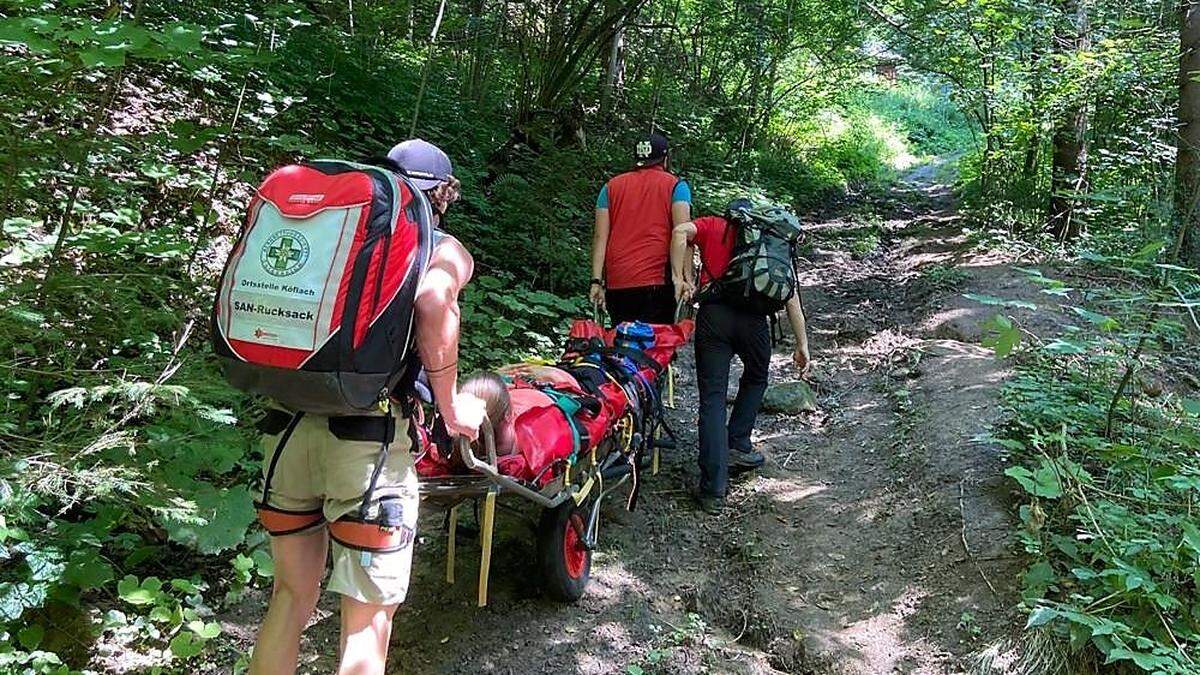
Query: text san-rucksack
[[315, 306], [761, 277]]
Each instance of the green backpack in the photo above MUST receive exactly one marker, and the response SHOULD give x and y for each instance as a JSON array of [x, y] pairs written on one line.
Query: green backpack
[[761, 277]]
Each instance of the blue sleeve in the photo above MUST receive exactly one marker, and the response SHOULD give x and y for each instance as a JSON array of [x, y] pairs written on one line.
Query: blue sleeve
[[683, 193], [602, 200]]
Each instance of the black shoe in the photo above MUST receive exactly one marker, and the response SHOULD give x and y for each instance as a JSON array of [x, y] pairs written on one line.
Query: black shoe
[[741, 461], [709, 504]]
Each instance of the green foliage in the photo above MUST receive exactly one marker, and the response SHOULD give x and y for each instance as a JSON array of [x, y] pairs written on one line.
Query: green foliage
[[502, 321], [1028, 85], [944, 277], [924, 113], [1003, 335], [133, 135], [165, 612], [693, 631], [1109, 481]]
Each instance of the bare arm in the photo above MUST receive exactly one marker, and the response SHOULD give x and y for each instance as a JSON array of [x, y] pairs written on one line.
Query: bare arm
[[681, 212], [681, 258], [795, 314], [438, 323], [599, 251], [599, 243]]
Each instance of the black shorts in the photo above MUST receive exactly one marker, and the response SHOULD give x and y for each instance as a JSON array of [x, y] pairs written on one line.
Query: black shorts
[[652, 304]]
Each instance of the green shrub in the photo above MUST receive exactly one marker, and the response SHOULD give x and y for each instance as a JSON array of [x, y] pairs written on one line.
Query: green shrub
[[1108, 483]]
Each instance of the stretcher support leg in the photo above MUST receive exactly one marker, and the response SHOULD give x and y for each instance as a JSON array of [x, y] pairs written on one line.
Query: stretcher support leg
[[670, 387], [453, 518], [485, 540]]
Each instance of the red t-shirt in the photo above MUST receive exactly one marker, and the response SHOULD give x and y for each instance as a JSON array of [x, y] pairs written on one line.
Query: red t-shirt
[[715, 238], [639, 239]]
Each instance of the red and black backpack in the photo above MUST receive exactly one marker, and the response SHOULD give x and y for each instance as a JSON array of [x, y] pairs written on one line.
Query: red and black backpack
[[315, 306]]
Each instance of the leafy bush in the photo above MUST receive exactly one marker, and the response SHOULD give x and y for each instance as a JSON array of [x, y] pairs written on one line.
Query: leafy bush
[[134, 134], [1109, 466], [924, 113]]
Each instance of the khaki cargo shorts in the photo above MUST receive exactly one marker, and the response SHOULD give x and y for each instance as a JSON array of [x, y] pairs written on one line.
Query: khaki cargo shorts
[[318, 480]]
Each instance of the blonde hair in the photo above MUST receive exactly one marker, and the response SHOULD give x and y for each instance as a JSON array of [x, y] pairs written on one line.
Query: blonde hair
[[445, 194], [493, 391]]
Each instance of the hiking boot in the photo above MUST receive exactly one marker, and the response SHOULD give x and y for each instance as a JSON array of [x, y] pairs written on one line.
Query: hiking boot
[[741, 461], [710, 504]]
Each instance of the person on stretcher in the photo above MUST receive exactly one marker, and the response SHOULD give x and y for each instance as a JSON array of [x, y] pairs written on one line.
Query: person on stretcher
[[539, 414], [545, 416]]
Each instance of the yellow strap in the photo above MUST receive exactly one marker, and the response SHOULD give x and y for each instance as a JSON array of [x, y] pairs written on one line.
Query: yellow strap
[[485, 540], [450, 544], [654, 462], [580, 496], [670, 386], [600, 479]]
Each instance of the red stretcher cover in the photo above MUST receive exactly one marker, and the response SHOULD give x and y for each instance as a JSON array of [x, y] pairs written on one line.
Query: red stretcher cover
[[543, 434]]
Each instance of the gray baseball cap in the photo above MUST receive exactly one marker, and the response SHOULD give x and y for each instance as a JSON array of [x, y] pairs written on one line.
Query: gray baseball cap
[[422, 162]]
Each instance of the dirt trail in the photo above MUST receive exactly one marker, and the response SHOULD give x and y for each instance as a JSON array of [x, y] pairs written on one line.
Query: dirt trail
[[875, 541]]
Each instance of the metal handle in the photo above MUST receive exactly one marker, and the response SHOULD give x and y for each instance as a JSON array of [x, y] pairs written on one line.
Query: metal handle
[[491, 471], [487, 435], [682, 309]]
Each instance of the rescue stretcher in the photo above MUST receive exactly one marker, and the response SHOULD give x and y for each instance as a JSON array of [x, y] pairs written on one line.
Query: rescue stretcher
[[571, 487]]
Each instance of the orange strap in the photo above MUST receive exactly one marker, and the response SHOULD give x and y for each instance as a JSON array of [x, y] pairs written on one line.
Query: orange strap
[[373, 537], [279, 522]]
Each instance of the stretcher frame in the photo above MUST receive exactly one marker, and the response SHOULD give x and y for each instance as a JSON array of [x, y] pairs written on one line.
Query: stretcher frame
[[487, 483]]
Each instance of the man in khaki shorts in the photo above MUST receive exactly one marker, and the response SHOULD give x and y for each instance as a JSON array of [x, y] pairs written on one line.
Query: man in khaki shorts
[[323, 477]]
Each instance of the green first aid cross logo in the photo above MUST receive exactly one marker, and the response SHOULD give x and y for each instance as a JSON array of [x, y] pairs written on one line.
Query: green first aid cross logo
[[284, 253]]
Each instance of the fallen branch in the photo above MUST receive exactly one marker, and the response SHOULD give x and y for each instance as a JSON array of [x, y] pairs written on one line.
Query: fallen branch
[[1187, 304]]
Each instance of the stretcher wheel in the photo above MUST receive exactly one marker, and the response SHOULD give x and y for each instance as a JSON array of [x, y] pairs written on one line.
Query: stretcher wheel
[[566, 563]]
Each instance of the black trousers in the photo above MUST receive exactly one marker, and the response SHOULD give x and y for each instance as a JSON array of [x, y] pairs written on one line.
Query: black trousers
[[652, 304], [723, 332]]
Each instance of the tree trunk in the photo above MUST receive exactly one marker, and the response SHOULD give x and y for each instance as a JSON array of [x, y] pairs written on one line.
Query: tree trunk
[[1070, 155], [1068, 172], [615, 79], [1033, 149], [1187, 163], [429, 53], [987, 118], [475, 71]]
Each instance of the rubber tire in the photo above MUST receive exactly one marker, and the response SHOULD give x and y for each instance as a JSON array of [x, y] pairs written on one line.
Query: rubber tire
[[557, 582]]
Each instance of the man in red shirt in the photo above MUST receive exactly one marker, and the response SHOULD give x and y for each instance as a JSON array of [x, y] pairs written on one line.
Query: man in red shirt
[[724, 330], [635, 212]]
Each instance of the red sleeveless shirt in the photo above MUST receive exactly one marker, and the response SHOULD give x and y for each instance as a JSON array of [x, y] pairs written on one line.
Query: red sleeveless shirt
[[639, 239]]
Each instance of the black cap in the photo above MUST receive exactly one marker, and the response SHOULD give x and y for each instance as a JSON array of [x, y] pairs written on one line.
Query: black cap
[[649, 150], [739, 207]]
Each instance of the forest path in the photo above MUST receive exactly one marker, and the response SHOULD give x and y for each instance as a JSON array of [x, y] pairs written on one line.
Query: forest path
[[874, 541]]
